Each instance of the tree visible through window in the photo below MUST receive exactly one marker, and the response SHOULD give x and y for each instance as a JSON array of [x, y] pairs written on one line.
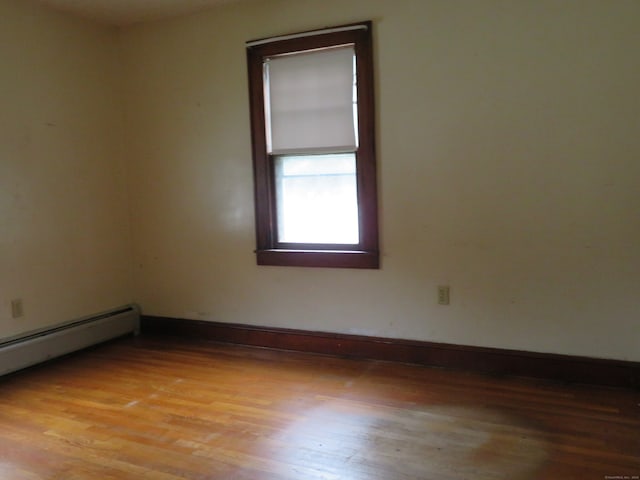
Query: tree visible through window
[[312, 119]]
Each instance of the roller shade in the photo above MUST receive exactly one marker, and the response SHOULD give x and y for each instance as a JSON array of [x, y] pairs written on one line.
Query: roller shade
[[309, 101]]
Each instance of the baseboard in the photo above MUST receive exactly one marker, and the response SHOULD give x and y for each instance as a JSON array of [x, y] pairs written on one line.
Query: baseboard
[[565, 368], [38, 346]]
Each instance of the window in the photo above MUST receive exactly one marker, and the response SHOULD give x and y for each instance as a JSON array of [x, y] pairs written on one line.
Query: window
[[312, 123]]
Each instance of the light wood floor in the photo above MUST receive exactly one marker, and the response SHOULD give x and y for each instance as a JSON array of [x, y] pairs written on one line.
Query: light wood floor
[[157, 408]]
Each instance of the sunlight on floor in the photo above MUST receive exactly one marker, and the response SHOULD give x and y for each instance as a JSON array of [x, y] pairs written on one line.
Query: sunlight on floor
[[346, 439]]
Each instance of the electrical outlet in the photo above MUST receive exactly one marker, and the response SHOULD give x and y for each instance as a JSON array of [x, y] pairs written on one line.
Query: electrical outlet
[[443, 295], [16, 308]]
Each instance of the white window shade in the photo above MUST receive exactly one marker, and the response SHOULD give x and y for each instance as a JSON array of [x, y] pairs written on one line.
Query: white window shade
[[309, 101]]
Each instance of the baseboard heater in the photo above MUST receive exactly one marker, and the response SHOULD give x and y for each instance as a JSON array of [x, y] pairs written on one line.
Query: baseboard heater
[[41, 345]]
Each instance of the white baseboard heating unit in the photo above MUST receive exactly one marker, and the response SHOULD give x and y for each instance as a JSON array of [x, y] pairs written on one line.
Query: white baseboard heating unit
[[41, 345]]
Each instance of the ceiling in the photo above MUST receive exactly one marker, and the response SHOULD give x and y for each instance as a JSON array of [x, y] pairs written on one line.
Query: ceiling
[[127, 12]]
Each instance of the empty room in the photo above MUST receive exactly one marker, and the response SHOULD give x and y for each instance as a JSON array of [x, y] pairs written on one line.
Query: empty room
[[319, 239]]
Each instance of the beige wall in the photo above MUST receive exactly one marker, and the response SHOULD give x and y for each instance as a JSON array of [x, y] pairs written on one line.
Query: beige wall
[[64, 234], [508, 158]]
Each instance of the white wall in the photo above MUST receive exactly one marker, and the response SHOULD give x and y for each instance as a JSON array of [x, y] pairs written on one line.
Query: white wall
[[509, 154], [508, 164], [64, 229]]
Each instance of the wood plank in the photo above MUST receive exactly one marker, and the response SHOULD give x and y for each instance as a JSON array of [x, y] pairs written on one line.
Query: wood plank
[[166, 408], [567, 368]]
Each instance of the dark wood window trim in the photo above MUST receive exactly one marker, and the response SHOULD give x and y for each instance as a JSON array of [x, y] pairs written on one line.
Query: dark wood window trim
[[365, 254]]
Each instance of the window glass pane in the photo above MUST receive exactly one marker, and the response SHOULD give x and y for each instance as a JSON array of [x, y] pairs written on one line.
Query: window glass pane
[[317, 199], [309, 100]]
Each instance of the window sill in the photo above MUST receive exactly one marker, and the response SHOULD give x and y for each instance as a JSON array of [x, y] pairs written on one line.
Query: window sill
[[319, 258]]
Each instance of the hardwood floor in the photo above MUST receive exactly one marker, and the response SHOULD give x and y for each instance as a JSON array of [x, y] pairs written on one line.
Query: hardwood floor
[[162, 408]]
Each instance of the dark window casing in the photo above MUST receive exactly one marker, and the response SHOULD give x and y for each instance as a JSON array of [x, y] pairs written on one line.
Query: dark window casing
[[269, 251]]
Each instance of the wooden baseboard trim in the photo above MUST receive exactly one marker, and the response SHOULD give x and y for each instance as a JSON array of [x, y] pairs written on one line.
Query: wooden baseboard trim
[[613, 373]]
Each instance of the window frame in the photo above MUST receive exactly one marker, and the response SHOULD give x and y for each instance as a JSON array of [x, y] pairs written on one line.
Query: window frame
[[269, 251]]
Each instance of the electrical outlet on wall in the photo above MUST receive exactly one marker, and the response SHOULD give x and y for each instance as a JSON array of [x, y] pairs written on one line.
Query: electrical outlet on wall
[[444, 295], [17, 309]]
